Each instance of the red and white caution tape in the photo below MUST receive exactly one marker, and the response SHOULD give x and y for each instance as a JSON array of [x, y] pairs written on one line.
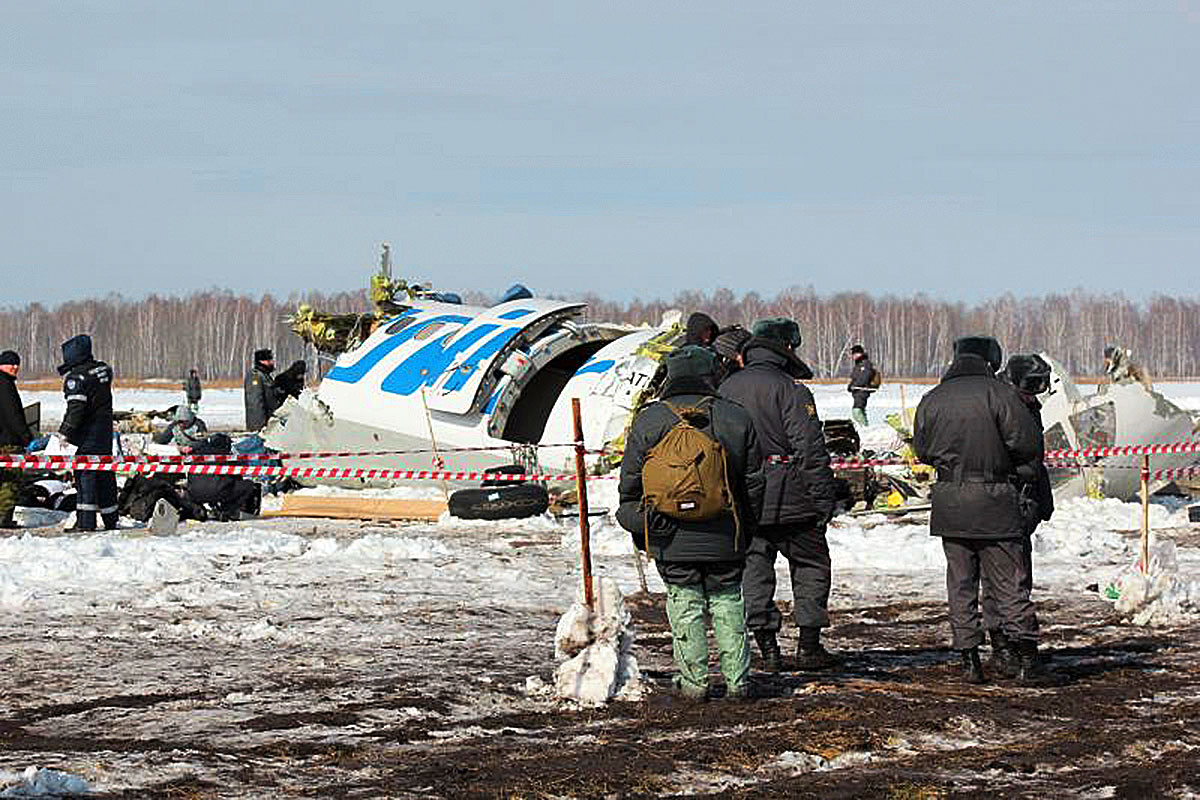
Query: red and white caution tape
[[338, 473]]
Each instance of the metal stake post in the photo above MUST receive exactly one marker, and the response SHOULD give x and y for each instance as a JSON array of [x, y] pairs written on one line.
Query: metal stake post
[[1145, 561], [585, 534]]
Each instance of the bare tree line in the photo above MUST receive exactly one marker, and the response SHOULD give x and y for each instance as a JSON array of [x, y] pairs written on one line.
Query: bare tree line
[[216, 331]]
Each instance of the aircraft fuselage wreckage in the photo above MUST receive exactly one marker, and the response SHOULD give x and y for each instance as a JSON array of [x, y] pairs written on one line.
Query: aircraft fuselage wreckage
[[473, 387], [441, 376]]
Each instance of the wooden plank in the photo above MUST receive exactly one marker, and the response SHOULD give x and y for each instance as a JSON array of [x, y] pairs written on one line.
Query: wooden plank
[[358, 508]]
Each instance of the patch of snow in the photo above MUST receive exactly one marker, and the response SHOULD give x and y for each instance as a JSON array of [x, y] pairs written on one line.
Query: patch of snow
[[598, 644], [39, 782]]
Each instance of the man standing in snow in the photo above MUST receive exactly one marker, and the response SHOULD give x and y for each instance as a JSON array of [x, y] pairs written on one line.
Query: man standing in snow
[[263, 396], [700, 561], [799, 495], [862, 384], [977, 433], [1030, 376], [14, 434], [191, 390], [88, 424]]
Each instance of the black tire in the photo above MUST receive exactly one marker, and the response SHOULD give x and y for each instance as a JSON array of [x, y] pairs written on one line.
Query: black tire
[[498, 474], [500, 502]]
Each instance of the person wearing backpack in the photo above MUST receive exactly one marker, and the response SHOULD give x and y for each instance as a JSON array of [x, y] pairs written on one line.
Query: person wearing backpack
[[690, 493], [799, 495], [864, 379]]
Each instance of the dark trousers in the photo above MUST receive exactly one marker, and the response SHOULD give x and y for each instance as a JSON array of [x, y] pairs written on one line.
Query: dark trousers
[[1003, 568], [807, 553], [712, 575], [95, 492]]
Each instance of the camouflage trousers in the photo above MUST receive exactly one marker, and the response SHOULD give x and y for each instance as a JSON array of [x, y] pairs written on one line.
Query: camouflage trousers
[[10, 485], [689, 606]]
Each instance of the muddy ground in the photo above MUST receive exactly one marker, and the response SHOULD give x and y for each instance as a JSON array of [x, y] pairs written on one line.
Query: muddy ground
[[356, 711]]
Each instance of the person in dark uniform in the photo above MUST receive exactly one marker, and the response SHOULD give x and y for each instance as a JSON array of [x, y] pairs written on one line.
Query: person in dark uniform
[[862, 383], [14, 435], [88, 424], [192, 391], [979, 436], [799, 496], [263, 396], [1030, 375]]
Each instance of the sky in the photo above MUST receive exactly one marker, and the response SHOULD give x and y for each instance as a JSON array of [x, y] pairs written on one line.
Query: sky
[[632, 150]]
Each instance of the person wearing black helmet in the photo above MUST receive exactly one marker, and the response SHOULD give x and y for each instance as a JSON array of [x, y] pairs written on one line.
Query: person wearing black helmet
[[975, 431], [1030, 376]]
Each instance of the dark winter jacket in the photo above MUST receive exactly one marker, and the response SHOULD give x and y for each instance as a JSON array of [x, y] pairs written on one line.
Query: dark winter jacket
[[974, 429], [191, 388], [722, 538], [860, 381], [1033, 478], [88, 420], [263, 396], [799, 482], [13, 430]]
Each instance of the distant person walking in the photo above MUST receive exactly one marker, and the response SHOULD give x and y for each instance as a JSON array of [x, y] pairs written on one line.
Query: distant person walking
[[191, 390], [88, 424], [864, 379], [14, 434]]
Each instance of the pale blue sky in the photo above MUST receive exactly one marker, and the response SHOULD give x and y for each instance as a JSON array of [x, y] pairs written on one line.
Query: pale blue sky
[[957, 149]]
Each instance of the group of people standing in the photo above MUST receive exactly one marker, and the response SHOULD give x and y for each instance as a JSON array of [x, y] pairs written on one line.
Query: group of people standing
[[744, 391], [88, 425]]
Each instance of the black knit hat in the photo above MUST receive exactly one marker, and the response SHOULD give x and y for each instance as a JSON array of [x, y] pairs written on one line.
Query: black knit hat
[[9, 357], [701, 329], [857, 349], [264, 355], [985, 347], [781, 329], [690, 361], [729, 341]]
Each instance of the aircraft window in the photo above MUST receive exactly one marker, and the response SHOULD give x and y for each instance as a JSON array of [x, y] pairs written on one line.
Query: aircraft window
[[428, 331], [400, 324]]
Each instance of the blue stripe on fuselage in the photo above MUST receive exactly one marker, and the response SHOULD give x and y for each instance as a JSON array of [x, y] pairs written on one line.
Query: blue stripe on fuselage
[[355, 372]]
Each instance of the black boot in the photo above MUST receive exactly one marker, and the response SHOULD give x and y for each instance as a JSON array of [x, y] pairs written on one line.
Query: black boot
[[811, 655], [768, 645], [110, 520], [6, 520], [972, 668], [1004, 661], [1032, 672]]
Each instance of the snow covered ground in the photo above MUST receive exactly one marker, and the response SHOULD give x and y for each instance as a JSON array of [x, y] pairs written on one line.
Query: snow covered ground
[[280, 656]]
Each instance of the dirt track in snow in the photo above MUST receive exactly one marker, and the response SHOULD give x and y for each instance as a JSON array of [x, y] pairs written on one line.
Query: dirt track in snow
[[395, 693]]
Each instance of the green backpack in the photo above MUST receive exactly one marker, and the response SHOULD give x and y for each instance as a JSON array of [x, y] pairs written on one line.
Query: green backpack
[[685, 475]]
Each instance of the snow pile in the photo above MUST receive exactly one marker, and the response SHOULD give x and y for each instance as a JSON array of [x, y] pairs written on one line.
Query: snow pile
[[598, 645], [37, 782], [1158, 596]]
